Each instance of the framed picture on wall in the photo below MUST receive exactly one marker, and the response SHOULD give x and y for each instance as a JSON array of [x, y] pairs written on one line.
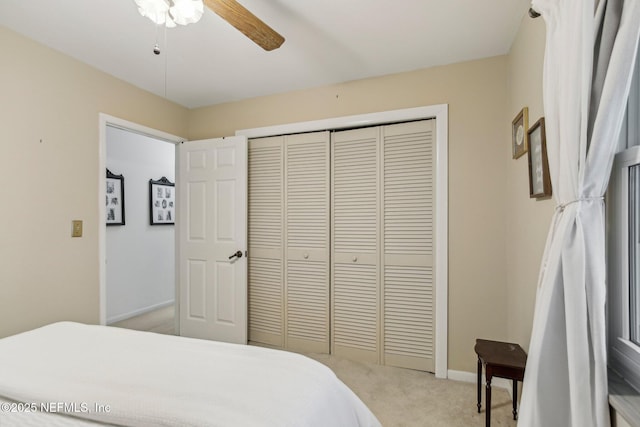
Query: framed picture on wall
[[162, 200], [539, 179], [519, 137], [115, 199]]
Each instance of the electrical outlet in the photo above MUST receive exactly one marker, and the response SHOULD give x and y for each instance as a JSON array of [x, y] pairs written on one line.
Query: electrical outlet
[[76, 230]]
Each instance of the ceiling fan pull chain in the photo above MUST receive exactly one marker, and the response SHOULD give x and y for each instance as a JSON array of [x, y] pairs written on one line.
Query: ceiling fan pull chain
[[166, 54], [156, 47]]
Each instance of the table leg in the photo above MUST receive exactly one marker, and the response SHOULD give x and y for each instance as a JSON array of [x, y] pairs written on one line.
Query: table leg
[[479, 384], [488, 404], [515, 399]]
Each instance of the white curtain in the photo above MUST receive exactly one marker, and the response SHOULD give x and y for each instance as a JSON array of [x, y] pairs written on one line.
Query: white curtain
[[590, 51]]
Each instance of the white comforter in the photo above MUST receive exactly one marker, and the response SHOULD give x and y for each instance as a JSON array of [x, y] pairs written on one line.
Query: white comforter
[[149, 379]]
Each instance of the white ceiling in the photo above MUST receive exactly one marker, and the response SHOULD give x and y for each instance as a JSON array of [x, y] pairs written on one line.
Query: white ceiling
[[327, 41]]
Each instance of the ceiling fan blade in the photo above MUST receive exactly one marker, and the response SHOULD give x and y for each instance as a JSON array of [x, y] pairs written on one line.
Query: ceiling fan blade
[[249, 24]]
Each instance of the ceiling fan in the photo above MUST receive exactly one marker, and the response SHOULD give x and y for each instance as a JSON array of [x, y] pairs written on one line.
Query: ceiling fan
[[172, 12], [247, 23]]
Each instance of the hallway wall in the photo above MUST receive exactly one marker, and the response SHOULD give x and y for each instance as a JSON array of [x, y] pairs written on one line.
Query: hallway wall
[[140, 257]]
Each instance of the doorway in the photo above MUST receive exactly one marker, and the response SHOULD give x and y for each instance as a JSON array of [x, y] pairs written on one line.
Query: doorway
[[137, 272]]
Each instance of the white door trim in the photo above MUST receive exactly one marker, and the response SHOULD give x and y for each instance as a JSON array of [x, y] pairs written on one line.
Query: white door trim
[[105, 120], [441, 114]]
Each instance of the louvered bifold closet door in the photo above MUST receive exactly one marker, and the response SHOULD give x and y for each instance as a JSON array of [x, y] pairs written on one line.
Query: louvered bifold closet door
[[408, 268], [266, 241], [307, 242], [355, 219]]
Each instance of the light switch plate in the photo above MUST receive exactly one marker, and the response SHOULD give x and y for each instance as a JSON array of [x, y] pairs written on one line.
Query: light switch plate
[[76, 230]]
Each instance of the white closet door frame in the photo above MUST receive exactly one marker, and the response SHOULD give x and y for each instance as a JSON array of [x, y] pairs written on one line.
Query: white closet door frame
[[441, 113]]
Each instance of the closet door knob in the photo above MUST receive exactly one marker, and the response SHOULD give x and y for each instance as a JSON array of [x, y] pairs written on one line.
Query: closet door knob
[[305, 256], [355, 259]]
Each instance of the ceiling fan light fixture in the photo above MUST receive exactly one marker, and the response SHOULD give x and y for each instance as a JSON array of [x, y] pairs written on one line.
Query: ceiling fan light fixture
[[186, 12], [155, 10], [171, 12]]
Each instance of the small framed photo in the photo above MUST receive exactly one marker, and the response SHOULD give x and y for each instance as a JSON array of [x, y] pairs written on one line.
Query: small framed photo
[[115, 199], [539, 179], [519, 138], [162, 202]]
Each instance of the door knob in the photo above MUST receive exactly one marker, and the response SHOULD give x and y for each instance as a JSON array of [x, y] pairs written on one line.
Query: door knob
[[237, 254]]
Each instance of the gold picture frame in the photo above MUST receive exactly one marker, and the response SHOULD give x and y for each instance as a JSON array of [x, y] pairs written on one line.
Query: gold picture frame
[[519, 137], [539, 178]]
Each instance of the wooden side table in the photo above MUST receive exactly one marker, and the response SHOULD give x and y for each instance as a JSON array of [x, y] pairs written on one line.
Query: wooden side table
[[500, 359]]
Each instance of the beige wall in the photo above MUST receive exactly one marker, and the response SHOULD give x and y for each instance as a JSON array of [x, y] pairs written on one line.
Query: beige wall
[[477, 96], [49, 110], [527, 220]]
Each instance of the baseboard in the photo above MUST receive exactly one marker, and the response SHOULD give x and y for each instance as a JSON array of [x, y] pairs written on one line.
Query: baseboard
[[139, 311], [469, 377]]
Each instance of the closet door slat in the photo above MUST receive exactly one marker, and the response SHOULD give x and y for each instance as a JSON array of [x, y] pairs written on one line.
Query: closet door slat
[[408, 297], [266, 242], [355, 242], [307, 242]]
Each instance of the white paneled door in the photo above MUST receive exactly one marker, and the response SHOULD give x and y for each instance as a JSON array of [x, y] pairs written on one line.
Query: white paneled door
[[212, 239]]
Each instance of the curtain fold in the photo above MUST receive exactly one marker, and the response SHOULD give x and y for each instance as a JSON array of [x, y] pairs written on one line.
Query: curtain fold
[[590, 52]]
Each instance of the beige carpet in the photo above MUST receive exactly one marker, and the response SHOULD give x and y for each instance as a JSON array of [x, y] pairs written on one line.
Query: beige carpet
[[408, 398], [398, 397]]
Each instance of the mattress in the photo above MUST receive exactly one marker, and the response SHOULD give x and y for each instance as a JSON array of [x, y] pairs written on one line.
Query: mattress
[[85, 375]]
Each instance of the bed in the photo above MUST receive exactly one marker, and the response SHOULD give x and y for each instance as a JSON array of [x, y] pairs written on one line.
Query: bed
[[71, 374]]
